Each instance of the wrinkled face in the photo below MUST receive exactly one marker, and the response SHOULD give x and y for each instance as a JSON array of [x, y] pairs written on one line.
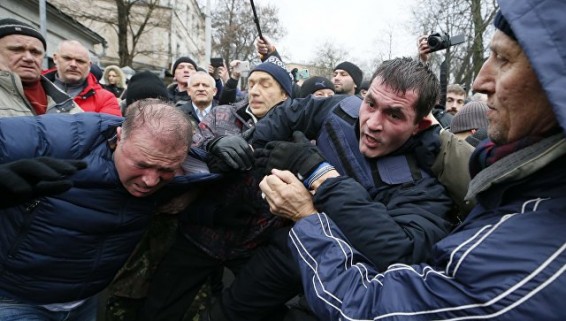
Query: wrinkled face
[[343, 82], [22, 55], [323, 93], [113, 78], [144, 164], [518, 106], [387, 120], [265, 93], [454, 102], [183, 72], [73, 63], [201, 89]]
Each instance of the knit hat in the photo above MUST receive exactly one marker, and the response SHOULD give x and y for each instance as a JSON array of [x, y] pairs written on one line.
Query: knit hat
[[501, 23], [10, 26], [365, 85], [96, 71], [144, 85], [354, 71], [276, 68], [183, 59], [472, 116], [313, 84]]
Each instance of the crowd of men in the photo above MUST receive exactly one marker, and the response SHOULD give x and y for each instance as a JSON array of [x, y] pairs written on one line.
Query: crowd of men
[[340, 199]]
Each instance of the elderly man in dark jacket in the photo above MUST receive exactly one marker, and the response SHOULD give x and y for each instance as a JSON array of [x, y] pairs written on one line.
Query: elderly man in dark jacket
[[58, 252]]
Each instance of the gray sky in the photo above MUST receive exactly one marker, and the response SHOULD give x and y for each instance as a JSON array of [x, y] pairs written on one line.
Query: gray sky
[[362, 27]]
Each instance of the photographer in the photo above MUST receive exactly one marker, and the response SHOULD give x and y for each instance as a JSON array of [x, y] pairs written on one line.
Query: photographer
[[440, 112]]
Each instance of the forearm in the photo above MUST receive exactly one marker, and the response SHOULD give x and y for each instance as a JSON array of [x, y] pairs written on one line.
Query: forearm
[[400, 227]]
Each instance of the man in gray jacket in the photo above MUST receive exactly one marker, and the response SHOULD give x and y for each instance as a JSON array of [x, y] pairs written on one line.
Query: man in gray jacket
[[23, 90]]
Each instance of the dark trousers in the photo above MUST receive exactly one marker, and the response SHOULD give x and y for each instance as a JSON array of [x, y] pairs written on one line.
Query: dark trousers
[[179, 277], [265, 283]]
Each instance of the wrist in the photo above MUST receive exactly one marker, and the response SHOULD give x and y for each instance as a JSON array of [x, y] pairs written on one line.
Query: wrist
[[299, 216], [322, 169], [316, 184]]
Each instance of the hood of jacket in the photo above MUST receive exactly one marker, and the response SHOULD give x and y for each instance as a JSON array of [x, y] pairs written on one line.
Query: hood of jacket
[[539, 27]]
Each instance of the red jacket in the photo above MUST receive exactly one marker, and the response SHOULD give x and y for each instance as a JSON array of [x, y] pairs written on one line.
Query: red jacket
[[93, 98]]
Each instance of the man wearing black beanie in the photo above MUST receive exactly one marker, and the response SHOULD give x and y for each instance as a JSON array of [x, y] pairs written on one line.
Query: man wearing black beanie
[[181, 70], [23, 90], [347, 78]]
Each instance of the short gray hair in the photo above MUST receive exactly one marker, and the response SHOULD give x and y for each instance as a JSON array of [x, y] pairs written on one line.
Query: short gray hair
[[168, 123]]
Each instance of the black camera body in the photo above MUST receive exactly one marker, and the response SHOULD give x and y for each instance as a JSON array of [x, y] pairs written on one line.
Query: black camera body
[[438, 41]]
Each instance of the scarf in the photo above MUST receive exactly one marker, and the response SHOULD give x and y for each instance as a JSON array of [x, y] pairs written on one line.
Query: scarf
[[488, 153]]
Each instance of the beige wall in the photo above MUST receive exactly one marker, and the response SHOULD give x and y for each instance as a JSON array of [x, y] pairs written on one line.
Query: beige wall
[[177, 29]]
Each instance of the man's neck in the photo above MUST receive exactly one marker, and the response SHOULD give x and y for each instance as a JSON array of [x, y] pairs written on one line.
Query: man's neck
[[202, 107], [72, 89], [182, 86]]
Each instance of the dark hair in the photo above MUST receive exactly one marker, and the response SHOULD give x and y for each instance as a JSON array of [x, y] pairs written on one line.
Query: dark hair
[[168, 123], [406, 74]]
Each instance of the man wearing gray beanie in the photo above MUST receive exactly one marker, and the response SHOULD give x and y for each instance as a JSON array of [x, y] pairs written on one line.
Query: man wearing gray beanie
[[22, 49], [471, 118]]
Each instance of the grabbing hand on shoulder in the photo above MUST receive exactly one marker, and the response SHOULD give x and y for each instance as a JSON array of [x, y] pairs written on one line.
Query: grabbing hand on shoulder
[[300, 156], [233, 151]]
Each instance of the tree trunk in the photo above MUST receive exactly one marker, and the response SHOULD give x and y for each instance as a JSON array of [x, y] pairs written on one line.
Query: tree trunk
[[123, 23]]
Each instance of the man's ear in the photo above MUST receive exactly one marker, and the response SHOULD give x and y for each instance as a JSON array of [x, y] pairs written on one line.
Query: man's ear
[[422, 125], [118, 134]]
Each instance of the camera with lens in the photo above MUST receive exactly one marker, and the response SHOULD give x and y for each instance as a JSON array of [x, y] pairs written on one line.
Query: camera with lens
[[438, 41]]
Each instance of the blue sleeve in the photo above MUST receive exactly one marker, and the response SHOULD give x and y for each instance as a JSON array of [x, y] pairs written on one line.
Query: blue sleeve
[[489, 272], [219, 87], [304, 114], [55, 135], [229, 92]]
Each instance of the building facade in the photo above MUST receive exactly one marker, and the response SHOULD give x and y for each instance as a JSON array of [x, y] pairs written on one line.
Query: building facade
[[174, 28], [60, 26]]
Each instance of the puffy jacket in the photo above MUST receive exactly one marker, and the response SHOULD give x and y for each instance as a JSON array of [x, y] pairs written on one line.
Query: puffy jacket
[[93, 98], [68, 247], [13, 101]]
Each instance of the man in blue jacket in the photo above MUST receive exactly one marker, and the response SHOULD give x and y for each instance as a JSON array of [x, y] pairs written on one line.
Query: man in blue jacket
[[57, 252], [506, 261], [396, 210]]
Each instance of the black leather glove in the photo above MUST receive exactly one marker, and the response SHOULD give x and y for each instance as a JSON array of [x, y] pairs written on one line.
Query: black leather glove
[[217, 165], [25, 179], [300, 157], [234, 151]]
